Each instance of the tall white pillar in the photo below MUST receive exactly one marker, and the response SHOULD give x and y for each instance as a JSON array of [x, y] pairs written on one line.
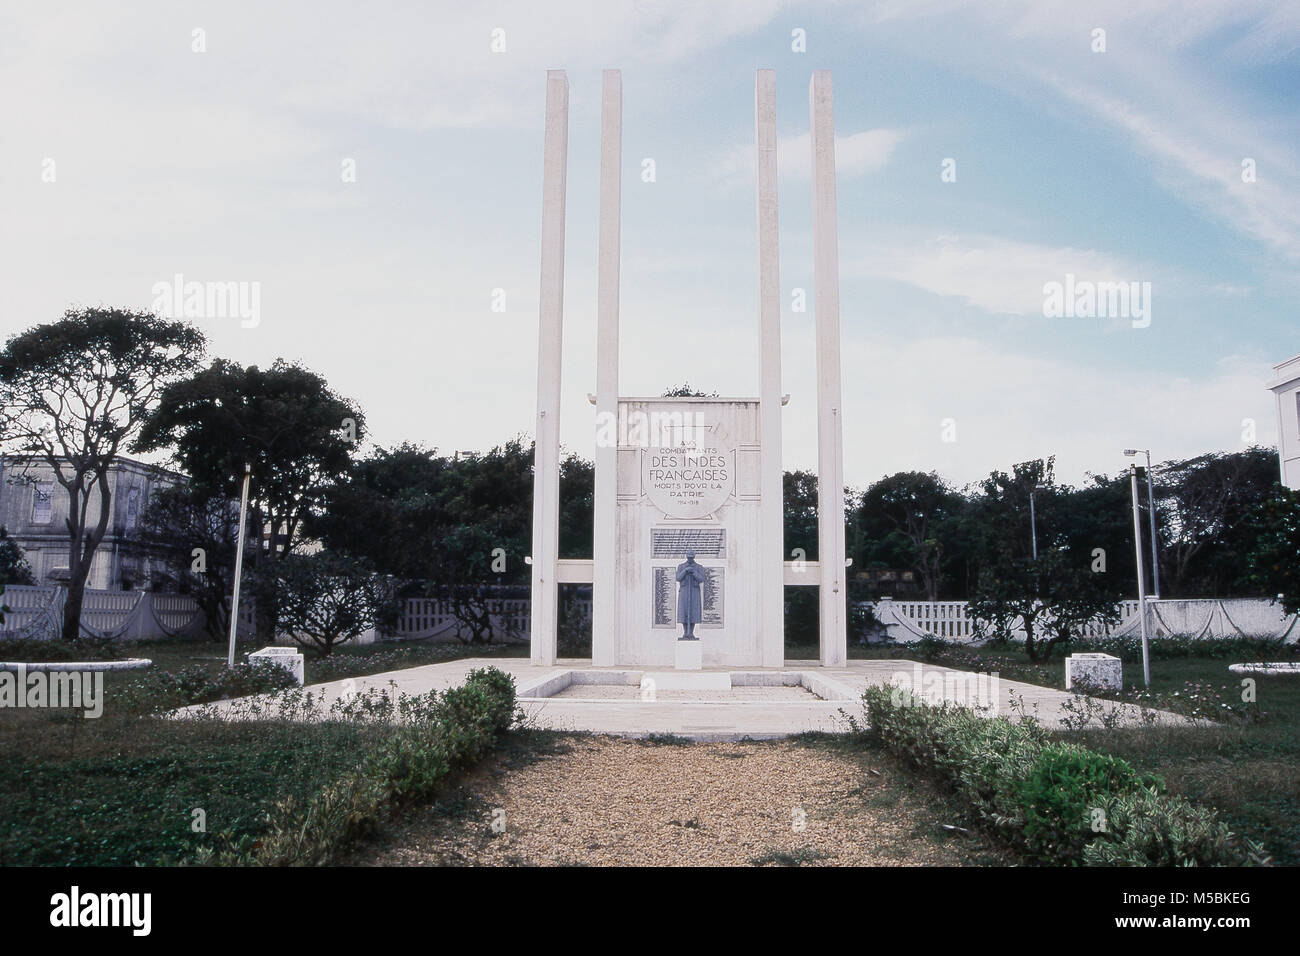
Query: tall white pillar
[[771, 516], [604, 543], [830, 438], [550, 328]]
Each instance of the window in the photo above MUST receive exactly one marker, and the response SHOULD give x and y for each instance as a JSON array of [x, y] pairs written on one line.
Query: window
[[42, 502], [132, 507]]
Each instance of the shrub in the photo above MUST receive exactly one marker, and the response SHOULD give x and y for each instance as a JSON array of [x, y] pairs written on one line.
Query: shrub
[[445, 732], [1062, 794], [38, 649], [1149, 828], [1041, 796]]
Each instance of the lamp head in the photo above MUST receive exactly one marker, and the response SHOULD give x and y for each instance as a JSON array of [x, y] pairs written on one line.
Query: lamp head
[[1130, 452]]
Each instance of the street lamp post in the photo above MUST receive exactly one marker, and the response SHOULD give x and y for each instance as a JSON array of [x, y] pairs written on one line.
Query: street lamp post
[[239, 566], [1142, 586], [1033, 521], [1151, 514]]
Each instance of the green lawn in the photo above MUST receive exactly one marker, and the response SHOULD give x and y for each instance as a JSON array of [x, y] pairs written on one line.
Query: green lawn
[[122, 789]]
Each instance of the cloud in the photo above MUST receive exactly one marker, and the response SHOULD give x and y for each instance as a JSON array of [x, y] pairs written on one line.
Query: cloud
[[856, 154], [995, 274], [1206, 170], [1010, 407]]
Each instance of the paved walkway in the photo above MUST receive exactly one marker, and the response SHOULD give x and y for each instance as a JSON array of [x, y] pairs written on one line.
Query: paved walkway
[[840, 689]]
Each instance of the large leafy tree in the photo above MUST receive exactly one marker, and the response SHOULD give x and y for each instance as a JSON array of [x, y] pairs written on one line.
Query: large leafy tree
[[297, 435], [329, 598], [195, 533], [285, 421], [1049, 599], [577, 506], [1096, 520], [1275, 563], [1051, 596], [14, 568], [1204, 507], [73, 395], [800, 514], [456, 529], [899, 520]]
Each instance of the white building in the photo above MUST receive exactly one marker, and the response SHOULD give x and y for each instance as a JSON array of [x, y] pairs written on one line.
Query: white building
[[1286, 389], [34, 510]]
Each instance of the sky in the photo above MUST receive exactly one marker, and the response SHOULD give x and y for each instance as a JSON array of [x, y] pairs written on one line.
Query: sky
[[375, 173]]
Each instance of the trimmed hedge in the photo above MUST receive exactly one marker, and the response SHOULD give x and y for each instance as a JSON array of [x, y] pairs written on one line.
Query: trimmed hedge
[[1057, 803], [441, 733]]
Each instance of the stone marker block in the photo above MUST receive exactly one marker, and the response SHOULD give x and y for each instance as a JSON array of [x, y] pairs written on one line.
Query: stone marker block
[[684, 680], [287, 658], [689, 655], [1094, 671]]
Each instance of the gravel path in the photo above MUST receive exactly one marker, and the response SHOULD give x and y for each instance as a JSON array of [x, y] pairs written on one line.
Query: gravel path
[[588, 800]]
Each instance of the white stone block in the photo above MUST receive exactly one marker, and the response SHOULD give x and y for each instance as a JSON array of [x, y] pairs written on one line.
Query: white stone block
[[689, 655], [684, 680], [1094, 671], [287, 658]]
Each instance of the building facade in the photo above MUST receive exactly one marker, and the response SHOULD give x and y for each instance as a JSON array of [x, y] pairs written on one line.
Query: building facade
[[34, 511], [1286, 389]]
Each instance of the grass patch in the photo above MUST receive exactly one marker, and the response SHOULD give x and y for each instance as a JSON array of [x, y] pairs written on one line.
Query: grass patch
[[118, 791], [124, 789]]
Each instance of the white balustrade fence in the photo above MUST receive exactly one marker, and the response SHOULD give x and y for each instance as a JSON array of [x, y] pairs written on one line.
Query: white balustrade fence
[[1202, 618], [37, 613], [435, 619]]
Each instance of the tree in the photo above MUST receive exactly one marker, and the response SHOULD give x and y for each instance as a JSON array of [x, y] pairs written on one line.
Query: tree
[[73, 395], [285, 421], [800, 514], [14, 568], [1275, 563], [326, 598], [460, 528], [195, 533], [1096, 520], [1204, 508], [1050, 596], [577, 506], [900, 517]]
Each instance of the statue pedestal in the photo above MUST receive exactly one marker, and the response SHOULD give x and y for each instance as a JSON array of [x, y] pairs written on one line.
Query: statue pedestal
[[652, 681], [690, 655]]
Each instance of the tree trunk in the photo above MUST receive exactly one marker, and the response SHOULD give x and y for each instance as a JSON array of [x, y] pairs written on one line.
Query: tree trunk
[[1030, 647], [72, 610]]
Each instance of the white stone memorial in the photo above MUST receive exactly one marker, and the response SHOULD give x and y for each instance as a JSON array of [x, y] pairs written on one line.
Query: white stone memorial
[[679, 475], [286, 658], [1094, 672]]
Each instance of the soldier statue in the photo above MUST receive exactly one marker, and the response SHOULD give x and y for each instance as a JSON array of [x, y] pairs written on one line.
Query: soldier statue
[[690, 603]]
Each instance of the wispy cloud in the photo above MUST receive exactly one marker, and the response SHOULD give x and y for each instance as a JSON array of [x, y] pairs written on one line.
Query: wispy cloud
[[1210, 174], [856, 154], [996, 274]]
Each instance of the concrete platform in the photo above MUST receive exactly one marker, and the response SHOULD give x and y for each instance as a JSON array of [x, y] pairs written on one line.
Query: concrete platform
[[839, 691]]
